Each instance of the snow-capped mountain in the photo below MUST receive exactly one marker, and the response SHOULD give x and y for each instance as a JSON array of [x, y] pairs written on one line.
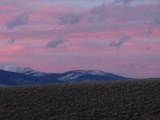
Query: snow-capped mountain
[[88, 75], [13, 75], [12, 78], [13, 68], [72, 75]]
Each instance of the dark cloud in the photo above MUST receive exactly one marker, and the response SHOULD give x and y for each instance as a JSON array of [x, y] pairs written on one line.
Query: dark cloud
[[152, 25], [18, 21], [99, 9], [131, 67], [70, 18], [128, 68], [7, 42], [120, 42], [148, 48], [97, 18], [98, 14], [150, 30], [123, 1], [54, 43], [143, 66], [11, 41], [156, 22], [1, 28]]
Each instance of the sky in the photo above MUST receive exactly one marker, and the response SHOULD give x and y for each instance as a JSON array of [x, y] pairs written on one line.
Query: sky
[[116, 36]]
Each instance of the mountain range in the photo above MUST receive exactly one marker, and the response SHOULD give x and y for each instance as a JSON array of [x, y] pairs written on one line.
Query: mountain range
[[13, 75], [26, 71]]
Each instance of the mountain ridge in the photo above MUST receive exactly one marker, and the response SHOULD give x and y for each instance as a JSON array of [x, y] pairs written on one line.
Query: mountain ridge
[[7, 66], [13, 75]]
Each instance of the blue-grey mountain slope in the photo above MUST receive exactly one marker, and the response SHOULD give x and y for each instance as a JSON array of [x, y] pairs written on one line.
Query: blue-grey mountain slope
[[13, 75], [11, 78]]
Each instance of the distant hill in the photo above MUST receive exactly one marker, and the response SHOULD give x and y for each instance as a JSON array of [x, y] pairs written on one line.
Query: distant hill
[[13, 68], [13, 75], [12, 78], [85, 75]]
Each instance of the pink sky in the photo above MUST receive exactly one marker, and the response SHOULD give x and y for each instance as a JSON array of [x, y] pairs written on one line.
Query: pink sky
[[117, 36]]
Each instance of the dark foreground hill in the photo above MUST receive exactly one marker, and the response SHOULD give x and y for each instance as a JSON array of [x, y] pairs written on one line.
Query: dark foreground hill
[[116, 100]]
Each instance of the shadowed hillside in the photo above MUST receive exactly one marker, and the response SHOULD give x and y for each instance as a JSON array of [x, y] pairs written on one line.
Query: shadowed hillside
[[115, 100], [8, 78]]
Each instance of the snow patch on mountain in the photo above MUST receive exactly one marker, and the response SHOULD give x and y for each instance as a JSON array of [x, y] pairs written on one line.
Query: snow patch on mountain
[[72, 75], [92, 72], [13, 68]]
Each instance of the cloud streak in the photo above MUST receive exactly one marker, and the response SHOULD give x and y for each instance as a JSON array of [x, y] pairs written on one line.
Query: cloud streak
[[54, 43], [120, 42], [152, 25], [11, 41], [21, 19], [98, 14], [123, 1], [70, 18]]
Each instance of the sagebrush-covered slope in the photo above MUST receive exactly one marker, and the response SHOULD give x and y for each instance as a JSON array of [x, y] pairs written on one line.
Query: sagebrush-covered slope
[[116, 100]]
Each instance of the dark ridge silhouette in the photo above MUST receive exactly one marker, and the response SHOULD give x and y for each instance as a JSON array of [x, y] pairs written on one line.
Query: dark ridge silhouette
[[11, 78]]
